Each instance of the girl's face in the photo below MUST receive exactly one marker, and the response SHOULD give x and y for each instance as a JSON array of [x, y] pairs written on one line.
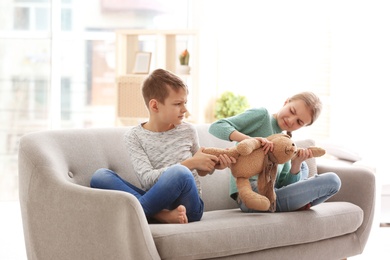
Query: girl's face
[[293, 115], [174, 108]]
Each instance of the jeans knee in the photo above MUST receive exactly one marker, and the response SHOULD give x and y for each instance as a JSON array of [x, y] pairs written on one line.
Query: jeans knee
[[177, 175], [98, 176], [179, 171], [334, 180]]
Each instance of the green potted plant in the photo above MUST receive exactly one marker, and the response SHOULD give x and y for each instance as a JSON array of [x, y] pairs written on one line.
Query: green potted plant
[[230, 104], [184, 59]]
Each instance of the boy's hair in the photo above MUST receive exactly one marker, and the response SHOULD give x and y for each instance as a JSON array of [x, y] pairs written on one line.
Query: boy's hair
[[312, 101], [156, 85]]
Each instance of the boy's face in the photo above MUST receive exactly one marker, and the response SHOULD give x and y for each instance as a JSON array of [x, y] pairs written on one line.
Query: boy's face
[[174, 108], [293, 115]]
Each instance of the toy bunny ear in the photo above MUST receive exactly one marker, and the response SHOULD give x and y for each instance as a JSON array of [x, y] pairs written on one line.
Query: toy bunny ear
[[269, 183], [317, 151]]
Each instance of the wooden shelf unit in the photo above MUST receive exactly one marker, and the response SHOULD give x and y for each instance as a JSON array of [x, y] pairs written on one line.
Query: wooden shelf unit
[[165, 46]]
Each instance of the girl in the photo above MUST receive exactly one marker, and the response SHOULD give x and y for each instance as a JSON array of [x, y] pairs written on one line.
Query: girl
[[292, 193]]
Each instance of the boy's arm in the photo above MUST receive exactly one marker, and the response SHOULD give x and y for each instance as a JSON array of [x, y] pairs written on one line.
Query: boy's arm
[[201, 161], [190, 163]]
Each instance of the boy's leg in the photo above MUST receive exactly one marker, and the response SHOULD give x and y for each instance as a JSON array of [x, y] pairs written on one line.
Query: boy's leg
[[175, 187], [109, 180], [314, 190]]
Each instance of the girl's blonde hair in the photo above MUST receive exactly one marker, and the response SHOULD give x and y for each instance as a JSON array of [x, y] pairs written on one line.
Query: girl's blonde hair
[[312, 101]]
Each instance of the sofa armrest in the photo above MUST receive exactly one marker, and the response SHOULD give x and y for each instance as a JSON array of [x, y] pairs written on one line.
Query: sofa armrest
[[63, 220], [357, 187]]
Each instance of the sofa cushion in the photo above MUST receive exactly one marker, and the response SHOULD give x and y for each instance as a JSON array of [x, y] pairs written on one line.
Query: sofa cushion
[[228, 232], [311, 163]]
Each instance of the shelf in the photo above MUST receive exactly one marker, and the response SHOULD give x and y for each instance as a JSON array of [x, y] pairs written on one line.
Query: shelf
[[165, 46]]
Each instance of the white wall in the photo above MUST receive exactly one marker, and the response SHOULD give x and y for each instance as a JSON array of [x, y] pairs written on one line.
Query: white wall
[[361, 79], [277, 48], [262, 46]]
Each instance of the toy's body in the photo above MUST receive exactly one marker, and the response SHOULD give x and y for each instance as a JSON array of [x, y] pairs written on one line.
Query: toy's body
[[251, 161]]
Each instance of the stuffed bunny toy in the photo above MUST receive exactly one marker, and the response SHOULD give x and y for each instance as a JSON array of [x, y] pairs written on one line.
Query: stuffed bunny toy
[[251, 160]]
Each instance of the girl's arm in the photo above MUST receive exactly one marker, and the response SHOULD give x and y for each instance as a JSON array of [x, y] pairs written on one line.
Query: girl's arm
[[301, 156], [246, 124], [285, 177], [238, 136]]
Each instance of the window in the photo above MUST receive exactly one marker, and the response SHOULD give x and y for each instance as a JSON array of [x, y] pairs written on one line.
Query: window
[[31, 15], [22, 18], [64, 76]]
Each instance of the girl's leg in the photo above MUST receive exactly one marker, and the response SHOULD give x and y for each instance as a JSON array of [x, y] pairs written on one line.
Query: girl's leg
[[313, 191], [175, 187], [109, 180], [304, 171], [244, 208]]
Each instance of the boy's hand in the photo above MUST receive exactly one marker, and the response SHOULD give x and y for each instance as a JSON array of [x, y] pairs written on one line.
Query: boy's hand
[[203, 161], [224, 161]]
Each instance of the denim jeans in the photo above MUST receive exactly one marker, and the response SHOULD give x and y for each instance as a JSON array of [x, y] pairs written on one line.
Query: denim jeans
[[304, 171], [313, 190], [176, 186]]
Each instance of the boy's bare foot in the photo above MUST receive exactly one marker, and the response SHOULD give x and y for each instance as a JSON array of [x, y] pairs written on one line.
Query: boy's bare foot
[[178, 215]]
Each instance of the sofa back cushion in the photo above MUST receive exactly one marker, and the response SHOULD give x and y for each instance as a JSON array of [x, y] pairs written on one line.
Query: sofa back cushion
[[311, 163], [75, 154], [215, 187]]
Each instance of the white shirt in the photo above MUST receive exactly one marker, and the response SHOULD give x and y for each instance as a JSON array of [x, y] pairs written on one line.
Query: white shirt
[[151, 153]]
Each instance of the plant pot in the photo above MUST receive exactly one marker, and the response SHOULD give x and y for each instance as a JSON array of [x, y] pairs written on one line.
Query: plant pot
[[183, 69]]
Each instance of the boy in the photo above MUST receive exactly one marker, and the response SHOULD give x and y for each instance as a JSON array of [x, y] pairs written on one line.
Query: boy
[[165, 154]]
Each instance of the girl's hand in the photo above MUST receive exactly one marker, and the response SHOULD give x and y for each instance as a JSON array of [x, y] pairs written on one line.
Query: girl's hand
[[224, 161], [266, 144], [302, 155]]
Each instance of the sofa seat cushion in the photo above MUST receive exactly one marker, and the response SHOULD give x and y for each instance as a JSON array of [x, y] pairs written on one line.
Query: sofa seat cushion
[[230, 232]]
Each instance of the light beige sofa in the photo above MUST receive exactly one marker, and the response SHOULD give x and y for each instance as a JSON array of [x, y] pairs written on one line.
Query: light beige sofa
[[63, 218]]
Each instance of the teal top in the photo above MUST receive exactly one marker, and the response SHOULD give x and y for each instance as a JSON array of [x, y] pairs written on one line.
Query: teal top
[[255, 122]]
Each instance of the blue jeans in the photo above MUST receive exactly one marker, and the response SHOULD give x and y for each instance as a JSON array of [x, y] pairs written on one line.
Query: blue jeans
[[304, 171], [313, 190], [176, 186]]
